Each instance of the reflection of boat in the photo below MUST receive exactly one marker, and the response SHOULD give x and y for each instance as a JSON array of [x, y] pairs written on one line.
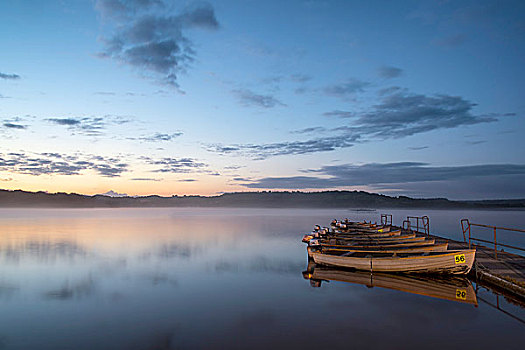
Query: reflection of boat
[[452, 288], [453, 261]]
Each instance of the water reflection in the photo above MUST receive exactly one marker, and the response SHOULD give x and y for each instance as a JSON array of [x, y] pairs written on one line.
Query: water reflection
[[202, 278], [453, 288]]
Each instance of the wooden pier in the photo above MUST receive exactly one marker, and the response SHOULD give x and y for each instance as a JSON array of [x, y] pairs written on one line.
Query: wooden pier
[[506, 273], [493, 267]]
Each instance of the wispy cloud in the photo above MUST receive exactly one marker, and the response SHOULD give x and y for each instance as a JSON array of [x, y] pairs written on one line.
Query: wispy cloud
[[145, 179], [150, 36], [160, 137], [389, 72], [89, 126], [264, 151], [248, 99], [176, 165], [399, 114], [347, 89], [315, 129], [348, 175], [7, 76]]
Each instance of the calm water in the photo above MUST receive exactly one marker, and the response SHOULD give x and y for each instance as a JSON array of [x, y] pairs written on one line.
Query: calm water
[[217, 278]]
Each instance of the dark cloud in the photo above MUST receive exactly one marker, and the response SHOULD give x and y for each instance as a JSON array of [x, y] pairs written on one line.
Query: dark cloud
[[176, 165], [53, 163], [145, 179], [64, 121], [9, 76], [389, 72], [417, 148], [391, 174], [399, 114], [248, 98], [150, 36], [346, 89], [187, 180], [14, 126], [403, 114]]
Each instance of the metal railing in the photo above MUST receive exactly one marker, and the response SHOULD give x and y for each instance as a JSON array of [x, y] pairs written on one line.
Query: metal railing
[[386, 219], [422, 222], [466, 227]]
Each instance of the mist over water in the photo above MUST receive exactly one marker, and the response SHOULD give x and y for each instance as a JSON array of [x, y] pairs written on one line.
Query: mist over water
[[217, 278]]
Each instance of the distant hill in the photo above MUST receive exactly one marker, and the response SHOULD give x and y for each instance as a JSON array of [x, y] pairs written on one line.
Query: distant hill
[[265, 199]]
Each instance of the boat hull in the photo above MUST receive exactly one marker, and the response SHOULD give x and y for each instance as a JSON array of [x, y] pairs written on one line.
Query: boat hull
[[435, 263]]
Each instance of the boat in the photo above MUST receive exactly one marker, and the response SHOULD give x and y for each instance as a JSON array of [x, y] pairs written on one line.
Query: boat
[[390, 244], [453, 261], [453, 288], [437, 247]]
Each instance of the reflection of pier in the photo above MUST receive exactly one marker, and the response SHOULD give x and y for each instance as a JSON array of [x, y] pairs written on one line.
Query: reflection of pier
[[451, 288]]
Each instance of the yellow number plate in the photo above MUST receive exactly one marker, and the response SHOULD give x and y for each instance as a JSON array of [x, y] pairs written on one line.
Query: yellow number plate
[[380, 230], [460, 259], [461, 294]]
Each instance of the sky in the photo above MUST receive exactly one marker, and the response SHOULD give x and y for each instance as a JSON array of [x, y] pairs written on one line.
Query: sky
[[415, 98]]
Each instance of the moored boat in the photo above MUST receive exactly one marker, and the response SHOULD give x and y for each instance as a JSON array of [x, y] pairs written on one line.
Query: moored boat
[[453, 262]]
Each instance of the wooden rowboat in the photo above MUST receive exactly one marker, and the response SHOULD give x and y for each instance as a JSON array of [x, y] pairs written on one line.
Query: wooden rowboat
[[369, 234], [440, 247], [369, 237], [427, 242], [453, 288], [453, 261]]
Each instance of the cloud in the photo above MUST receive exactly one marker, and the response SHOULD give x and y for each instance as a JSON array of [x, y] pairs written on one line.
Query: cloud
[[264, 151], [349, 175], [151, 37], [64, 121], [248, 98], [339, 114], [176, 165], [158, 137], [347, 89], [397, 115], [187, 180], [145, 179], [389, 72], [9, 76], [60, 164], [417, 148], [315, 129], [104, 93], [14, 126], [89, 126], [403, 114]]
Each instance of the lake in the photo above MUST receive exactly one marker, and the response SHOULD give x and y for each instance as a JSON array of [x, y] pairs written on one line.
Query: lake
[[194, 278]]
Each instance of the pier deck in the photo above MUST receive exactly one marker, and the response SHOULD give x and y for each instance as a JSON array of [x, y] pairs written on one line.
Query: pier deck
[[506, 272]]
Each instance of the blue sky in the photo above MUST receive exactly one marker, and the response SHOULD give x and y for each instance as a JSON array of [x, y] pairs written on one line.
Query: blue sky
[[420, 98]]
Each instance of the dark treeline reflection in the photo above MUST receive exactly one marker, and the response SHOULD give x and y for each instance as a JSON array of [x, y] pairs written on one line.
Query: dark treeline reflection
[[219, 278]]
